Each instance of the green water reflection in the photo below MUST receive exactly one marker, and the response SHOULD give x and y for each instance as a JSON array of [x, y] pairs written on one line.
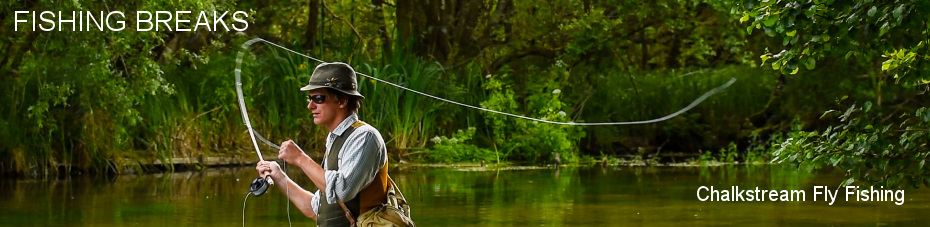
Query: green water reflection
[[591, 196]]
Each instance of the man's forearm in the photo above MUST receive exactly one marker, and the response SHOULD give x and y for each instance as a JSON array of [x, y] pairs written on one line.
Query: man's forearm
[[300, 197], [314, 171]]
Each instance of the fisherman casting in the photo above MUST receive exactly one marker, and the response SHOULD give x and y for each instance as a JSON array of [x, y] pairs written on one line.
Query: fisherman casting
[[353, 174]]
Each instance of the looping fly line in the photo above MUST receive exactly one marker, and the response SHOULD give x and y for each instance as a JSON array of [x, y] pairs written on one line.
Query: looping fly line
[[245, 47]]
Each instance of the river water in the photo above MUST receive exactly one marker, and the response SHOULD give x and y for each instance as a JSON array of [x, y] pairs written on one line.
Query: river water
[[582, 196]]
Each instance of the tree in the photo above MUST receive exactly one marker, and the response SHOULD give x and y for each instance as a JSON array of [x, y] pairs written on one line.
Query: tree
[[863, 30], [72, 99], [874, 145], [313, 24]]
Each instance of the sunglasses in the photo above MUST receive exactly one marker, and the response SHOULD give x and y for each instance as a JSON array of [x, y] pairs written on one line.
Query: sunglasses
[[318, 99]]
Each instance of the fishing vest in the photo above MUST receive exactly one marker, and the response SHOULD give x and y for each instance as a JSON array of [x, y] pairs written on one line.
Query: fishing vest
[[332, 214]]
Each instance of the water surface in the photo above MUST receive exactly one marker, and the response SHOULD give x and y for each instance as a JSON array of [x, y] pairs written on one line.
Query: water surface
[[588, 196]]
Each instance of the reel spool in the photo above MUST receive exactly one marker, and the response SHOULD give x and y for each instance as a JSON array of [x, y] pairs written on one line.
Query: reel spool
[[259, 186]]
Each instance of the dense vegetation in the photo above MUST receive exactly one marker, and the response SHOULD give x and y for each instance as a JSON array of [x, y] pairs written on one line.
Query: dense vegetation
[[881, 140], [104, 101]]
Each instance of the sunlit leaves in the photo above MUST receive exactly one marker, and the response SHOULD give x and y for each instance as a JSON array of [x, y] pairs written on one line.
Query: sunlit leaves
[[821, 27], [906, 58]]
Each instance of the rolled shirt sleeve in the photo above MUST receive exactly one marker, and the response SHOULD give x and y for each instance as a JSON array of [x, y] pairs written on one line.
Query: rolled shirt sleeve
[[315, 202]]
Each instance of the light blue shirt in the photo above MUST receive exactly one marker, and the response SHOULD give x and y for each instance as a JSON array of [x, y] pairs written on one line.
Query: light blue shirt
[[360, 159]]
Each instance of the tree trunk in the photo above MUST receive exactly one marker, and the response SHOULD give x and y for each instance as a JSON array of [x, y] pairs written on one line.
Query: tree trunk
[[465, 45], [382, 28], [404, 22], [437, 41], [644, 48], [674, 46], [313, 24]]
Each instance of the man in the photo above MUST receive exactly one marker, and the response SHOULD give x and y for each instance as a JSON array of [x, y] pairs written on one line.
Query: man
[[353, 175]]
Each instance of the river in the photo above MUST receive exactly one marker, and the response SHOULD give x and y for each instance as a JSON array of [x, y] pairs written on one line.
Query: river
[[578, 196]]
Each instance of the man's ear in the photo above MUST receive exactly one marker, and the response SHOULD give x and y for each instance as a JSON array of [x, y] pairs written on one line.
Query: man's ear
[[343, 103]]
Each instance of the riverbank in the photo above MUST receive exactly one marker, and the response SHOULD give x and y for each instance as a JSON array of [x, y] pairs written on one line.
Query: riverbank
[[182, 164], [125, 166], [197, 160]]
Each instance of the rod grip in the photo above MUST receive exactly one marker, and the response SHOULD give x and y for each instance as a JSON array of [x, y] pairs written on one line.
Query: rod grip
[[269, 180]]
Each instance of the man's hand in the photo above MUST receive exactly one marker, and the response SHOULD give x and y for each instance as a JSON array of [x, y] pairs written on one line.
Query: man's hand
[[268, 168], [290, 152]]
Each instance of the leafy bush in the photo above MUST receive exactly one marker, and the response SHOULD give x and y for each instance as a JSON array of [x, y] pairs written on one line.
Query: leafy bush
[[869, 150], [455, 149], [525, 140]]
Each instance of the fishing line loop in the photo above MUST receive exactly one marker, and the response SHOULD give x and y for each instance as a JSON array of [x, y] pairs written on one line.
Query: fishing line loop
[[245, 46]]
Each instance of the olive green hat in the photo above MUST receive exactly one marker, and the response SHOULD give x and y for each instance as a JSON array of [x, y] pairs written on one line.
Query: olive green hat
[[336, 75]]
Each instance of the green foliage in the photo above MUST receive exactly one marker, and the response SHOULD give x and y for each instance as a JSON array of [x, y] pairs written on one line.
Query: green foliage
[[91, 99], [77, 99], [871, 151], [408, 118], [862, 141], [756, 152], [635, 96], [812, 30], [457, 149], [730, 153], [759, 151], [727, 155], [107, 100], [524, 140], [706, 158]]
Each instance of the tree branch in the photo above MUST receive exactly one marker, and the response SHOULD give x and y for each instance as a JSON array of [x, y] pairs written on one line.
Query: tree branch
[[348, 23], [532, 51]]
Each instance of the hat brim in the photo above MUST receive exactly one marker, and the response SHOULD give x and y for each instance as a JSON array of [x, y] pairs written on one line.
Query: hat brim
[[313, 87]]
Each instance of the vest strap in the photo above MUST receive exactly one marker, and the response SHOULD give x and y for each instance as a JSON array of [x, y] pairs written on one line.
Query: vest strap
[[332, 160]]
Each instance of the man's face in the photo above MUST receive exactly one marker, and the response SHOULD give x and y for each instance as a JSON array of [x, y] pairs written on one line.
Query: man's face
[[324, 107]]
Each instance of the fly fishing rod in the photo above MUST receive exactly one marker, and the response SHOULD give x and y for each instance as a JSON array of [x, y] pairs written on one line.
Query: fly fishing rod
[[260, 185]]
